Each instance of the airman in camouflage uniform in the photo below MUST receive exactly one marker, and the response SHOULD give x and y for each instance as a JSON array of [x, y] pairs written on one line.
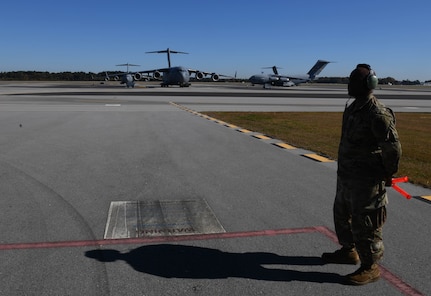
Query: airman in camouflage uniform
[[368, 156]]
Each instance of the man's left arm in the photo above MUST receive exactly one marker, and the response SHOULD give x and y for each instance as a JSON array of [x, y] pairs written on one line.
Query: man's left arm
[[387, 138]]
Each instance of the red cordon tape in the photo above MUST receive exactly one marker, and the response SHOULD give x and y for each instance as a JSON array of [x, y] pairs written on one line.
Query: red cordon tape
[[397, 188]]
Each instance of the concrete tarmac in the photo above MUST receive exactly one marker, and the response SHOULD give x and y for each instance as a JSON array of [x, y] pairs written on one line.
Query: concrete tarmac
[[69, 151]]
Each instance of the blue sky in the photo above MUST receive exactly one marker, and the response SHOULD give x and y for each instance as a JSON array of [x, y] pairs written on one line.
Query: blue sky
[[221, 36]]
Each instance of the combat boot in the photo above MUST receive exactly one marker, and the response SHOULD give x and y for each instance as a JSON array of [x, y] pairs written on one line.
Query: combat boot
[[342, 256], [364, 275]]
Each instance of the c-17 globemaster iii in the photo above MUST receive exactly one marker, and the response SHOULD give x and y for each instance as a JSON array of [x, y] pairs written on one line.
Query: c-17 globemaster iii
[[288, 80], [177, 75], [127, 78]]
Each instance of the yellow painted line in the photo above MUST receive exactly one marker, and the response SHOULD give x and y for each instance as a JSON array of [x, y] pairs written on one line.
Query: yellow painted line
[[427, 197], [318, 157], [231, 125], [262, 137], [245, 131], [284, 145]]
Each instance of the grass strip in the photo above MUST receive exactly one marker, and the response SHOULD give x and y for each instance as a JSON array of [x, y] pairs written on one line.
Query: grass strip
[[320, 132]]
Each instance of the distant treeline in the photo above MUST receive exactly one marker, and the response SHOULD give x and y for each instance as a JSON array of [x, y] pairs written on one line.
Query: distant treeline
[[48, 76], [89, 76], [388, 80]]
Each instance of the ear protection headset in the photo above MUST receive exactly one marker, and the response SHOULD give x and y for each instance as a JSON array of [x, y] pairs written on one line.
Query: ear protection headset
[[371, 80]]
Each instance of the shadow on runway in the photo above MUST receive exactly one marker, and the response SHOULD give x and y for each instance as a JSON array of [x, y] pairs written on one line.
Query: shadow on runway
[[179, 261]]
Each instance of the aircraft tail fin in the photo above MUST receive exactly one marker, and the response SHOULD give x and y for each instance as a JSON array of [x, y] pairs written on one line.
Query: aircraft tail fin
[[274, 69], [317, 68], [168, 52]]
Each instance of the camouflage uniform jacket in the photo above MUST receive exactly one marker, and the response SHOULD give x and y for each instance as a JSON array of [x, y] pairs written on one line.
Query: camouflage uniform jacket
[[369, 147]]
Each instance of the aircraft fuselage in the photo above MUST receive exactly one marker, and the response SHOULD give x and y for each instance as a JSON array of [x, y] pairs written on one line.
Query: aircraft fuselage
[[259, 79], [270, 79], [176, 76], [128, 80]]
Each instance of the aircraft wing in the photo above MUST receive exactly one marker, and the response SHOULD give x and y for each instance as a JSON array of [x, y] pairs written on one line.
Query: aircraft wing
[[117, 74], [156, 73], [161, 70], [288, 77], [202, 74], [114, 75], [121, 75]]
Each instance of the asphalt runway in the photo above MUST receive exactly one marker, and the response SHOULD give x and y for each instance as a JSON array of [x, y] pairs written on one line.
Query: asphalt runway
[[71, 151]]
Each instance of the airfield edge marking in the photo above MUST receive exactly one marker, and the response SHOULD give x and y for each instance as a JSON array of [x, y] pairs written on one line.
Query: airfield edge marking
[[262, 137], [158, 239], [393, 279], [424, 198], [311, 156], [317, 157], [253, 134], [284, 145]]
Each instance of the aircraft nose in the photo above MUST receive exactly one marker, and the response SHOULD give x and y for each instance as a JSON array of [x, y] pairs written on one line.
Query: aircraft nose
[[254, 79]]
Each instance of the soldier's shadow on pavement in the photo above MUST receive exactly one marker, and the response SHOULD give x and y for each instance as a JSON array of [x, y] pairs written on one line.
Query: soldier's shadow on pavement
[[180, 261]]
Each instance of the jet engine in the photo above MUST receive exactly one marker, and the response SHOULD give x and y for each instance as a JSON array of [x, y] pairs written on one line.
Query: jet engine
[[116, 78], [137, 76], [274, 78], [157, 74], [199, 75], [215, 77]]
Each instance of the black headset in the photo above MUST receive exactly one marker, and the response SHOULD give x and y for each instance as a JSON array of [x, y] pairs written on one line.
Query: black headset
[[371, 80]]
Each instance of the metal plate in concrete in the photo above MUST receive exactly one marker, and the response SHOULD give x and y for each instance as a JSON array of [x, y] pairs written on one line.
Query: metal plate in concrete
[[132, 219]]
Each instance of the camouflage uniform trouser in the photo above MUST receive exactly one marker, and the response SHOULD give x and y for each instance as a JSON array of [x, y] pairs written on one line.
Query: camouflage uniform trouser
[[359, 214]]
